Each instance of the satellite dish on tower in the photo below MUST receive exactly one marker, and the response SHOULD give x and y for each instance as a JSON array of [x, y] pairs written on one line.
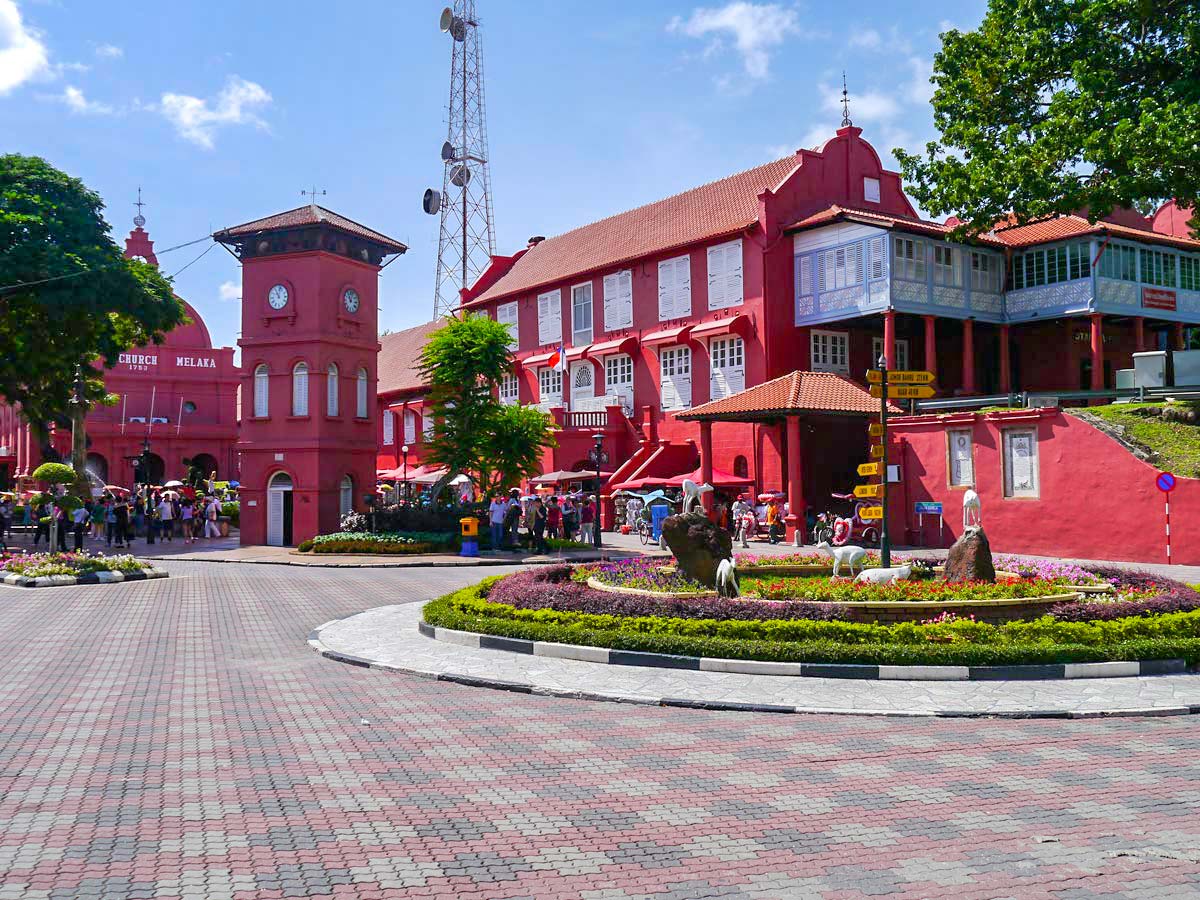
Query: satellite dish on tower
[[460, 176], [448, 153], [446, 19], [432, 202]]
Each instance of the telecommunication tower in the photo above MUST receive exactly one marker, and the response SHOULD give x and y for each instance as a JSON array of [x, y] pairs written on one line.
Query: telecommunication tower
[[468, 236]]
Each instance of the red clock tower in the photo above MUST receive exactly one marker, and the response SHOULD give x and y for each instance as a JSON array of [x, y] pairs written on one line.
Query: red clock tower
[[310, 339]]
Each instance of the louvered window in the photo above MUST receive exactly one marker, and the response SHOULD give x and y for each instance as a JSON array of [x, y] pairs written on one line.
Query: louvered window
[[361, 391], [674, 288], [332, 388], [675, 377], [725, 275], [389, 427], [506, 314], [908, 258], [300, 389], [618, 301], [550, 329], [877, 257], [410, 427], [728, 367], [262, 392]]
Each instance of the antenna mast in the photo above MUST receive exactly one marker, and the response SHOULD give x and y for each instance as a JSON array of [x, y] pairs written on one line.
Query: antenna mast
[[467, 236]]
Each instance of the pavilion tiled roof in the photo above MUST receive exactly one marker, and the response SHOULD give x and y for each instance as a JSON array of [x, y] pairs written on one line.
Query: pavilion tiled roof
[[711, 210], [400, 358], [794, 393], [837, 213], [1064, 227], [311, 214]]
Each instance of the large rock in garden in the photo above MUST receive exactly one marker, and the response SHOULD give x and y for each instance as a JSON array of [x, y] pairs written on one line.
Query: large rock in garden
[[970, 558], [698, 545]]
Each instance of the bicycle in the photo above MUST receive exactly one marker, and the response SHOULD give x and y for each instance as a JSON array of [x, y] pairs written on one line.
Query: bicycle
[[645, 531]]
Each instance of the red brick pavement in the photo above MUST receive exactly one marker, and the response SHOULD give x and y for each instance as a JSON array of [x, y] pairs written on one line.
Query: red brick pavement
[[178, 739]]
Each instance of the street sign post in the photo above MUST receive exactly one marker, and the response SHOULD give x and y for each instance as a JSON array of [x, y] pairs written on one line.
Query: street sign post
[[868, 490], [900, 376], [868, 469], [871, 512], [875, 429], [903, 391], [1165, 482]]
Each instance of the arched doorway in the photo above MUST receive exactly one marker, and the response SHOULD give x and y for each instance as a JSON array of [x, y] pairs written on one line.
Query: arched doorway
[[279, 510], [153, 470], [206, 463], [346, 496], [96, 467]]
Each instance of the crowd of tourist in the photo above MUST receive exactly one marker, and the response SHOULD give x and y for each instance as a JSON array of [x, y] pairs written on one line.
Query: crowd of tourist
[[543, 520]]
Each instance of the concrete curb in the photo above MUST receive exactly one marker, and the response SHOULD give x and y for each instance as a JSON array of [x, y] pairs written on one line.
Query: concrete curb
[[466, 563], [90, 578], [318, 646], [1049, 672]]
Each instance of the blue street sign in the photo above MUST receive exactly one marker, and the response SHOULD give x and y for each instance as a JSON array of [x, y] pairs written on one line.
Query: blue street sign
[[928, 508], [1165, 482]]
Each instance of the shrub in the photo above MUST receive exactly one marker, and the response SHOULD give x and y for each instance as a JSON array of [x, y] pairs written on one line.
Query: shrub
[[35, 565], [389, 543], [54, 473], [421, 518], [353, 522], [305, 546], [645, 574], [842, 590], [232, 509]]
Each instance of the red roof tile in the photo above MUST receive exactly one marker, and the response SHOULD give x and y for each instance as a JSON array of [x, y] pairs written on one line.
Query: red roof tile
[[400, 358], [838, 213], [718, 208], [796, 392], [311, 214], [1064, 227]]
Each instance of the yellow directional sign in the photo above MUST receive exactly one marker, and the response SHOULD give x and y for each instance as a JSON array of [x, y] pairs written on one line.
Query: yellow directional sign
[[877, 451], [871, 512], [904, 392], [868, 490], [900, 376], [867, 469], [875, 429]]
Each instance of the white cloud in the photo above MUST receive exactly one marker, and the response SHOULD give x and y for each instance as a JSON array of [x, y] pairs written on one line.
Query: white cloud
[[920, 88], [22, 54], [813, 139], [230, 290], [198, 120], [869, 39], [869, 106], [754, 28], [109, 51], [76, 102]]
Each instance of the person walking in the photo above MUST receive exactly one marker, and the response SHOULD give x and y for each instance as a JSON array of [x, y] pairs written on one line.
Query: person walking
[[512, 521], [570, 514], [110, 522], [6, 514], [554, 519], [497, 510], [61, 520], [79, 520], [139, 515], [166, 516], [587, 521], [774, 521], [211, 529], [41, 517], [186, 513], [537, 516]]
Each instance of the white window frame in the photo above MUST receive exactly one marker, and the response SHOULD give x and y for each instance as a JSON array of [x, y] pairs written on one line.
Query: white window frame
[[300, 389], [573, 375], [550, 325], [389, 427], [985, 272], [615, 368], [332, 391], [960, 471], [871, 189], [947, 265], [509, 389], [829, 351], [410, 426], [346, 495], [362, 410], [262, 391], [908, 258], [508, 314], [582, 336], [839, 267], [618, 300], [1011, 489], [727, 366], [901, 351], [725, 277], [675, 288], [675, 367], [550, 386]]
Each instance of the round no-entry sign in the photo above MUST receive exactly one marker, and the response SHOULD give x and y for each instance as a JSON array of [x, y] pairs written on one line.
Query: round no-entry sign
[[1165, 482]]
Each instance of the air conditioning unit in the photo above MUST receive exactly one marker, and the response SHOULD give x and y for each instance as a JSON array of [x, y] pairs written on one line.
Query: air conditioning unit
[[159, 420], [140, 420]]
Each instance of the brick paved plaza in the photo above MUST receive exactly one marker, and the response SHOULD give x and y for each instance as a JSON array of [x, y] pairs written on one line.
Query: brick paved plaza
[[179, 739]]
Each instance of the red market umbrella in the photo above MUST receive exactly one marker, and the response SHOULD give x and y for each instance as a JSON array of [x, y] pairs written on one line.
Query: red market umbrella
[[719, 479]]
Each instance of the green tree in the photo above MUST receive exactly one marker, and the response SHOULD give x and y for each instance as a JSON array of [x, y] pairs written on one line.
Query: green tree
[[67, 295], [1058, 106], [496, 446]]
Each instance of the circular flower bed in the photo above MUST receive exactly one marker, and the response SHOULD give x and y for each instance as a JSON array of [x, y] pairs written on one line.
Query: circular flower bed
[[37, 565], [1144, 618]]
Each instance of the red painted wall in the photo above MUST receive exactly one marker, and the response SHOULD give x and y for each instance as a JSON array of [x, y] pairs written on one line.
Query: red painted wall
[[1097, 500]]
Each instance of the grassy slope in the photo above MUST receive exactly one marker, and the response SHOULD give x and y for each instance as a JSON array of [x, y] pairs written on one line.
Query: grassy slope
[[1177, 445]]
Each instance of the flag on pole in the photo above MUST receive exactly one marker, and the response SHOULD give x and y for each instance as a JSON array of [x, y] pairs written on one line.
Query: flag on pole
[[558, 359]]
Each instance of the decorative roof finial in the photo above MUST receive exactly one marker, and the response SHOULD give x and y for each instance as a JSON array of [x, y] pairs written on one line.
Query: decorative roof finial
[[312, 195], [846, 123], [139, 220]]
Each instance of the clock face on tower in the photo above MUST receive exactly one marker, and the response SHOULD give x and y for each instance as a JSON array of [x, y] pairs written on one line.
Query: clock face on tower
[[278, 296], [350, 300]]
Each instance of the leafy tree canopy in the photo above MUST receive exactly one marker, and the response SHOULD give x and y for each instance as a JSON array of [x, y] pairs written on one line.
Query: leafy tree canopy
[[1058, 106], [51, 226], [54, 473], [495, 445]]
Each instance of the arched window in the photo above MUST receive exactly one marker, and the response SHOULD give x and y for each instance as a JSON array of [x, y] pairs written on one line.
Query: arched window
[[300, 389], [389, 427], [346, 496], [362, 394], [262, 392], [740, 468], [331, 390]]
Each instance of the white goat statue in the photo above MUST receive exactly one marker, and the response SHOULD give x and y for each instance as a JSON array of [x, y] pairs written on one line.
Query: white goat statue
[[850, 555], [692, 493], [972, 511], [884, 576], [727, 585]]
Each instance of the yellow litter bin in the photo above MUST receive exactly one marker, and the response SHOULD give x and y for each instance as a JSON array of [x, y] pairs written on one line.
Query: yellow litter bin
[[470, 536]]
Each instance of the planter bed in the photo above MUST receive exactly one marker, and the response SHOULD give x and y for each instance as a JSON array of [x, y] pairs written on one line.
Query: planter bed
[[666, 595], [14, 580], [992, 612]]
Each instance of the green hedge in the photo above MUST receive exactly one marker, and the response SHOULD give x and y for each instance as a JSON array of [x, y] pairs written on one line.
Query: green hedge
[[414, 542], [1174, 635]]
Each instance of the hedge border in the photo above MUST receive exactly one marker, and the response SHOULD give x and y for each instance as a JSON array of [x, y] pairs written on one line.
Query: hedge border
[[15, 580]]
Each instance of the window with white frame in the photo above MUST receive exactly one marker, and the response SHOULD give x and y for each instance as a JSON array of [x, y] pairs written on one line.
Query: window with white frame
[[960, 449], [901, 352], [550, 330], [1020, 463], [427, 425], [675, 377], [675, 288], [506, 314], [841, 267], [1189, 273], [332, 389], [346, 496], [727, 371], [510, 389], [581, 314], [871, 190], [830, 351], [908, 259], [361, 394], [618, 378], [1158, 268], [262, 391], [1119, 262], [725, 275], [410, 426], [876, 257], [985, 272], [1050, 265], [389, 427], [618, 300], [945, 266], [300, 389], [550, 384]]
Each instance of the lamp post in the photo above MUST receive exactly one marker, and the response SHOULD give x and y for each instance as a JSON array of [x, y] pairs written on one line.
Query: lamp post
[[404, 453], [598, 457]]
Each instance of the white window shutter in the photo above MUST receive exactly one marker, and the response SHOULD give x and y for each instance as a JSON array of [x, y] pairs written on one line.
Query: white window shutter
[[666, 290], [612, 289], [300, 390], [858, 264], [506, 314], [262, 383], [876, 249], [806, 285], [683, 389], [389, 427], [543, 319], [733, 274], [717, 286], [683, 287], [625, 292], [556, 326]]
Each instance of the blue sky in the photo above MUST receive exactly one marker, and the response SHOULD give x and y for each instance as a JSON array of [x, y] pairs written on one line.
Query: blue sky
[[223, 111]]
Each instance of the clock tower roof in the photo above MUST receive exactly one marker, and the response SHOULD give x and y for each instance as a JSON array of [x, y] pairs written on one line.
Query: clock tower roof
[[306, 217]]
